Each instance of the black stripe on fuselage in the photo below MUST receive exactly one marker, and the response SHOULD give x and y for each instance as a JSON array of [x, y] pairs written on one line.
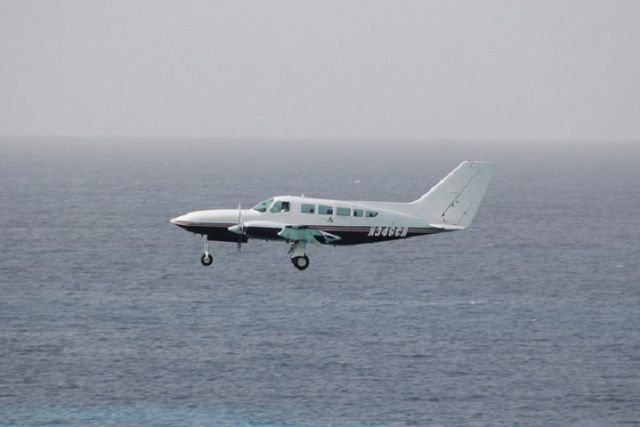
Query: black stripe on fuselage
[[349, 235], [361, 237]]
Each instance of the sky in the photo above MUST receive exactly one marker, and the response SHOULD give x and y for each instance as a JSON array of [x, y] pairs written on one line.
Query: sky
[[366, 69]]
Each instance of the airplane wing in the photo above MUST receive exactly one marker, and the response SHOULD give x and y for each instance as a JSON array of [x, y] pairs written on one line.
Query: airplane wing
[[307, 234], [293, 233]]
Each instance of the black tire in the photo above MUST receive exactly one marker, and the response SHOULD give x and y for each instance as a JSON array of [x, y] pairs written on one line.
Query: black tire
[[206, 259], [300, 262]]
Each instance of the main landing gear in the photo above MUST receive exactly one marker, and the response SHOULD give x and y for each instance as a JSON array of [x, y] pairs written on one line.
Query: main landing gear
[[299, 258], [206, 259], [297, 253], [300, 262]]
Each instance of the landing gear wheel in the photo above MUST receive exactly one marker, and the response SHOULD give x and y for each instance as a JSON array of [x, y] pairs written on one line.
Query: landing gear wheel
[[206, 259], [300, 262]]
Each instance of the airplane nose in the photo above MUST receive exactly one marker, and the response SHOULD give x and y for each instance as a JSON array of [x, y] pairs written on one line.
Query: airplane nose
[[177, 220]]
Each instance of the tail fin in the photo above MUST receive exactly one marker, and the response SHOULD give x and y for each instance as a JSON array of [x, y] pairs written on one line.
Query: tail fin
[[454, 201]]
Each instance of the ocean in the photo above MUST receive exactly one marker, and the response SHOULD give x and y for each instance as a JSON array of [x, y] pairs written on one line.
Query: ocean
[[530, 317]]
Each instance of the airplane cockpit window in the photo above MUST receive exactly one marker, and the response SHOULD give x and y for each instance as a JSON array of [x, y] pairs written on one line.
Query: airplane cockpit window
[[280, 206], [358, 212], [372, 214], [262, 206]]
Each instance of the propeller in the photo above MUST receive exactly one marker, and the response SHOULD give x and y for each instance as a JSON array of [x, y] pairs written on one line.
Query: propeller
[[241, 224]]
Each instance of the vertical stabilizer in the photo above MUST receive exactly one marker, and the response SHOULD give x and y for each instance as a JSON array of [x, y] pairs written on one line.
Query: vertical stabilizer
[[454, 201]]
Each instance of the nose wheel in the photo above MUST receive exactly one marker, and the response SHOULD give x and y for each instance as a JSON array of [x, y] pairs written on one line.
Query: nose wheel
[[206, 259]]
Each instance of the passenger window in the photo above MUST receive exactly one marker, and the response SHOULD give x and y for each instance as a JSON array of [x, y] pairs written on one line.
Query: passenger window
[[325, 210], [372, 214], [358, 212], [307, 208], [343, 211], [280, 206]]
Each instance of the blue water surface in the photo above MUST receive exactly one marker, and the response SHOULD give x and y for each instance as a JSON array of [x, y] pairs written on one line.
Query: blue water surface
[[530, 317]]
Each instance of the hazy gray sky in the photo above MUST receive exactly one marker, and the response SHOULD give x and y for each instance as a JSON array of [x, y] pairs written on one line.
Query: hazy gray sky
[[473, 69]]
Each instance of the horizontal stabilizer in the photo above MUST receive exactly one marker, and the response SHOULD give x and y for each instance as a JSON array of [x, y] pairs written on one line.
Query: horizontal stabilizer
[[447, 227]]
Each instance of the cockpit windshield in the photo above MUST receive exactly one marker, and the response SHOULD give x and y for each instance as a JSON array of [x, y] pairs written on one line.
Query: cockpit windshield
[[262, 206]]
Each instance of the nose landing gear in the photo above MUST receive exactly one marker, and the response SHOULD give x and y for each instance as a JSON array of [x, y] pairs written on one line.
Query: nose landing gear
[[299, 258], [206, 259]]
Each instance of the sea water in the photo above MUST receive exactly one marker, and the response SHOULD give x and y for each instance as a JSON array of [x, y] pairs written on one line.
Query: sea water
[[530, 317]]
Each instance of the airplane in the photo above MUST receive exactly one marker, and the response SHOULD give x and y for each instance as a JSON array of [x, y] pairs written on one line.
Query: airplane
[[450, 205]]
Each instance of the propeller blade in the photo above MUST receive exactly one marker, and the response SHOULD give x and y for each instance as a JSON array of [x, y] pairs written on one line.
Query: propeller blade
[[241, 228]]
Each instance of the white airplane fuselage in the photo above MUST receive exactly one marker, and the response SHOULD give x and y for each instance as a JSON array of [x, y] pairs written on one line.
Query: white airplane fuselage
[[379, 225]]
